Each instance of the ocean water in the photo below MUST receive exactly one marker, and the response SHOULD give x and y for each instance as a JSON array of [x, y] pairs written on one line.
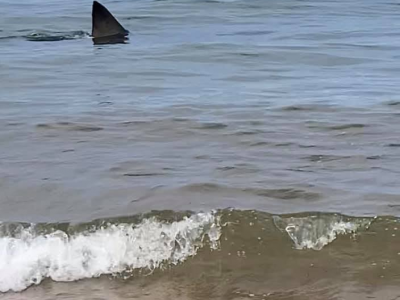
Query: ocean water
[[231, 149]]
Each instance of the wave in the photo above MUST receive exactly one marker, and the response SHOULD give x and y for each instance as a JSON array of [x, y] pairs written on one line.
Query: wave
[[315, 232], [159, 240], [27, 256]]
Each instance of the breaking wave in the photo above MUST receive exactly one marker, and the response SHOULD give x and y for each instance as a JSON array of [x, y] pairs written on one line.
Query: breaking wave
[[127, 246], [315, 232], [27, 257]]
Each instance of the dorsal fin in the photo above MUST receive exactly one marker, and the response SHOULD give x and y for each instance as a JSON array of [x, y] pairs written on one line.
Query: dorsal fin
[[104, 24]]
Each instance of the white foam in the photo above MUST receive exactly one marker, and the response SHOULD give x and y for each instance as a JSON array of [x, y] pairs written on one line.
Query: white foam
[[316, 232], [29, 258]]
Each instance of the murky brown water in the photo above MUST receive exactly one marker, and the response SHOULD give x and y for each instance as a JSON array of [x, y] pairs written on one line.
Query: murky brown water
[[256, 255]]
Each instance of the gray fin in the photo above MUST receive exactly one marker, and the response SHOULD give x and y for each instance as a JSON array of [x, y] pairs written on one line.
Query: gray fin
[[104, 24]]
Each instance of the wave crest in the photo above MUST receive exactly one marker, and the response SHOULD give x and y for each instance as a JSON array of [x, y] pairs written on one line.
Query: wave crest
[[315, 232], [28, 258]]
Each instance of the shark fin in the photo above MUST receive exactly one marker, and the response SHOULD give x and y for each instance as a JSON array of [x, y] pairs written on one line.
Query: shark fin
[[105, 25]]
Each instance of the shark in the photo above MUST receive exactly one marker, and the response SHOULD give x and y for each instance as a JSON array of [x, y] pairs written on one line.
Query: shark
[[105, 27]]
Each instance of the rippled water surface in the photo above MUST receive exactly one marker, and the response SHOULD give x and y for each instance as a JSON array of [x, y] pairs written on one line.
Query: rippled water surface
[[269, 107]]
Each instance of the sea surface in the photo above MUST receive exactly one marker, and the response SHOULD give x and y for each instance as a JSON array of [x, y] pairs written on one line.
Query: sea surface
[[231, 149]]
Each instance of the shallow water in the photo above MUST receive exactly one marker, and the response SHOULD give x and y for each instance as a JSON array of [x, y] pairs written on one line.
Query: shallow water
[[267, 107]]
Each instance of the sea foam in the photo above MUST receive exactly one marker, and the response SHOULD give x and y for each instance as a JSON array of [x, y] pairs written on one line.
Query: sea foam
[[27, 258]]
